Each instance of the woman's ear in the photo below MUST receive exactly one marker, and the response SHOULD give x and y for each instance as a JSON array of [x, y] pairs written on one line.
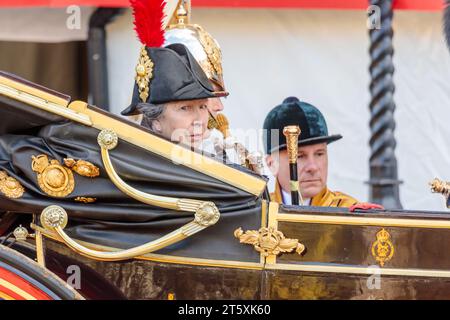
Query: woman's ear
[[156, 126]]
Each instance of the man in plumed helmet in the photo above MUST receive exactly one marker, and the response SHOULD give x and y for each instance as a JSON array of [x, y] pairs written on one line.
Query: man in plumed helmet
[[312, 163], [206, 51], [203, 47]]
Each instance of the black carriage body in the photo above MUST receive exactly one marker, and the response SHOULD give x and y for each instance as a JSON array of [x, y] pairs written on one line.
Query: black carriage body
[[370, 255]]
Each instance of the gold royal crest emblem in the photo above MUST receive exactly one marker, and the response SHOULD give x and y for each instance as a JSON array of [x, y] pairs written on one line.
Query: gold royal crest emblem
[[382, 248]]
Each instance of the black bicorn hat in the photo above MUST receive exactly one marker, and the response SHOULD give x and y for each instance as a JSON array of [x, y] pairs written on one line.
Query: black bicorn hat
[[174, 75], [295, 112]]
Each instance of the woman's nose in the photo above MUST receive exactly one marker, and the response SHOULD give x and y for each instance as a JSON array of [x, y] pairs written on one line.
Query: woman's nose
[[199, 114], [197, 124]]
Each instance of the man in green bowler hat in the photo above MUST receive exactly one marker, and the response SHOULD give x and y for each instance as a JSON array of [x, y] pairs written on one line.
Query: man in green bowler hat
[[312, 163]]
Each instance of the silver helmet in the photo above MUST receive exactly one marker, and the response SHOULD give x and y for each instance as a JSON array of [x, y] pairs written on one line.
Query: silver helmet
[[200, 43]]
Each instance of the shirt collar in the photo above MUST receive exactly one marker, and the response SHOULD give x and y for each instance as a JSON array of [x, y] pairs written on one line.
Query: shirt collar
[[287, 198]]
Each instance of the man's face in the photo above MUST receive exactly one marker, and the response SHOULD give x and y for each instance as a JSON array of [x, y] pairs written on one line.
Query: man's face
[[312, 168], [215, 104]]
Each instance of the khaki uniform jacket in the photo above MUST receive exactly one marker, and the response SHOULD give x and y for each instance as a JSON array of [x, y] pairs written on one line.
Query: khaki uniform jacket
[[325, 198]]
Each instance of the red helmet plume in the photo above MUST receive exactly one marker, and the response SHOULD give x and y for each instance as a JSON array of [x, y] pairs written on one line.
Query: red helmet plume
[[148, 21]]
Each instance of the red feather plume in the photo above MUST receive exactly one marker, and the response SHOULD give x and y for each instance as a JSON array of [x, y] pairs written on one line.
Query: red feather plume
[[148, 21]]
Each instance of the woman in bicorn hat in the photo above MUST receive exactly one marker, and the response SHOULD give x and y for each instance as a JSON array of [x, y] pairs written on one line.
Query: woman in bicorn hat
[[171, 90]]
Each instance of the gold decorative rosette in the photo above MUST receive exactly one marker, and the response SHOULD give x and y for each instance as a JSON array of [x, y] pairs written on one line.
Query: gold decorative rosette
[[53, 178], [10, 187], [83, 168], [57, 180]]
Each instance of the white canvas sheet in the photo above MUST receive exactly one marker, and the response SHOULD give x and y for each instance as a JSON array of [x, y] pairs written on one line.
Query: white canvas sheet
[[319, 56], [42, 24], [322, 58]]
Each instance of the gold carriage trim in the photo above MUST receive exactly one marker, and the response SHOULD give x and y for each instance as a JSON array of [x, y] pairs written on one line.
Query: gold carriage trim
[[439, 186], [382, 248], [57, 180], [10, 187], [82, 167], [85, 199], [20, 233], [269, 241], [53, 178], [443, 187], [144, 73]]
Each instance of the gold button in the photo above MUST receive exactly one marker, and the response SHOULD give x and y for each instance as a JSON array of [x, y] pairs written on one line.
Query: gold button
[[140, 70]]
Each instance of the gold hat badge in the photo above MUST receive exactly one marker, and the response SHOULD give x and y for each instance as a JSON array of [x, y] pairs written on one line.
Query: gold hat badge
[[144, 73]]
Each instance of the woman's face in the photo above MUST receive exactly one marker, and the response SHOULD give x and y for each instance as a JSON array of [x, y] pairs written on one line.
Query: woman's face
[[184, 121]]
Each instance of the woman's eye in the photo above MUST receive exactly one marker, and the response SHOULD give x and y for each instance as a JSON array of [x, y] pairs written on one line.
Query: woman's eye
[[203, 107], [184, 108]]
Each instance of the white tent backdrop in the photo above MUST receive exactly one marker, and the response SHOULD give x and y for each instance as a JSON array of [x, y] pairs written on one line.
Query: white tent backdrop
[[44, 24], [322, 58]]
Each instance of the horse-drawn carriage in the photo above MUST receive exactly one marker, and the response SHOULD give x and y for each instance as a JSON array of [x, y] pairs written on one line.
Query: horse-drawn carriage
[[118, 212]]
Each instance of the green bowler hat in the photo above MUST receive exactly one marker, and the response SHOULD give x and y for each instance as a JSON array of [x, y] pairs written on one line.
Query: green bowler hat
[[295, 112]]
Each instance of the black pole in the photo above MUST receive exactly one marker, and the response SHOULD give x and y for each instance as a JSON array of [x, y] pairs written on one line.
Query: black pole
[[97, 63], [384, 183], [294, 183], [447, 22]]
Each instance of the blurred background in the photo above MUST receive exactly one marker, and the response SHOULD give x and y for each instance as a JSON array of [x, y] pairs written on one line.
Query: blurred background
[[272, 49]]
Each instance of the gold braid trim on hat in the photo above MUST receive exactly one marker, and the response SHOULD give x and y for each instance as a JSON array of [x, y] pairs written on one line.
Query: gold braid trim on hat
[[144, 73]]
